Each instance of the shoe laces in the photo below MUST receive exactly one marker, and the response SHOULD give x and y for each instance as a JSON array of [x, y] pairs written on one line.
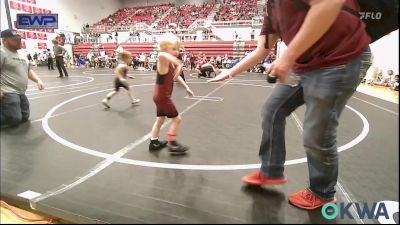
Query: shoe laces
[[259, 175], [308, 196]]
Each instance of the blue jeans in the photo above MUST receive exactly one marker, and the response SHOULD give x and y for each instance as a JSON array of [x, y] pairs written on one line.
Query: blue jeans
[[14, 109], [325, 93]]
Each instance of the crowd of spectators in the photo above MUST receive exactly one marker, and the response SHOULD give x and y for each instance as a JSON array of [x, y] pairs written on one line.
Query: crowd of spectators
[[146, 14], [377, 77], [233, 10], [183, 16], [166, 17], [180, 17]]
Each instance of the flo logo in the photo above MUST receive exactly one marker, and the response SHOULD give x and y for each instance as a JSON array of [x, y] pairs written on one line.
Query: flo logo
[[370, 15], [382, 211]]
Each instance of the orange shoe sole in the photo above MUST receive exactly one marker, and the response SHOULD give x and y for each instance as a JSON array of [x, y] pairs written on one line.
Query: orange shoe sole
[[266, 182], [312, 207]]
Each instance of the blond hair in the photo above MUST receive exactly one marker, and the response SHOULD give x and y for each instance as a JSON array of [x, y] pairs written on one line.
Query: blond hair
[[125, 55], [165, 44]]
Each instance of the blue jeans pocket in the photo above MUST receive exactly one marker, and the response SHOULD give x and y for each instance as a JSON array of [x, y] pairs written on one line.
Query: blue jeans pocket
[[337, 67], [325, 82]]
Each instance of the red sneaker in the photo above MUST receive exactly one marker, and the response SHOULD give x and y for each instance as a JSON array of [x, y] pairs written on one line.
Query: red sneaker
[[257, 178], [307, 200]]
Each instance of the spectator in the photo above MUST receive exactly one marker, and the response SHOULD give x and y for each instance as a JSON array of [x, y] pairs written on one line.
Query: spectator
[[180, 57], [394, 83], [35, 59], [29, 57], [385, 79], [119, 49], [218, 61], [67, 59], [142, 58], [192, 61], [116, 37], [43, 58], [15, 72], [135, 62]]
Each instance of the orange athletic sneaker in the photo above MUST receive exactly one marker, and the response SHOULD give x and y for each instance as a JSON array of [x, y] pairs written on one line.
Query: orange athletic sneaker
[[257, 178], [307, 200]]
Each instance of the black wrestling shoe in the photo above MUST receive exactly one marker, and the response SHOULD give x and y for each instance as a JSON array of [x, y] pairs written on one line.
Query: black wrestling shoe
[[157, 145], [176, 148]]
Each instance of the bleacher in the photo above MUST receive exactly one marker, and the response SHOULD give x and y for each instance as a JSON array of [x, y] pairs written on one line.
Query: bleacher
[[158, 19], [209, 48], [138, 48], [84, 49], [250, 45]]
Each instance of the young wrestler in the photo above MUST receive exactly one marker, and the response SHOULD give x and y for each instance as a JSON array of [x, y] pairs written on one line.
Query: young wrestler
[[168, 70], [121, 73]]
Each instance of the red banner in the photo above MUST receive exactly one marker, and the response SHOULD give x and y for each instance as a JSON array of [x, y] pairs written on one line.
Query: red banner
[[42, 45], [15, 5], [31, 35], [41, 30], [46, 11], [27, 8], [31, 2], [50, 30], [37, 10], [42, 36]]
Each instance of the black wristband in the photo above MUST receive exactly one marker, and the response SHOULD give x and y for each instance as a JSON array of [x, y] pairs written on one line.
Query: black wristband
[[271, 79]]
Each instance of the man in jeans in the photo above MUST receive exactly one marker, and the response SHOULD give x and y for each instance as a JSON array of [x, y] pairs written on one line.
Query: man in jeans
[[15, 72], [328, 49], [59, 52]]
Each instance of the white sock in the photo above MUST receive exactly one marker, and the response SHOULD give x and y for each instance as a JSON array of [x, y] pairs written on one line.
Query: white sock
[[109, 95]]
